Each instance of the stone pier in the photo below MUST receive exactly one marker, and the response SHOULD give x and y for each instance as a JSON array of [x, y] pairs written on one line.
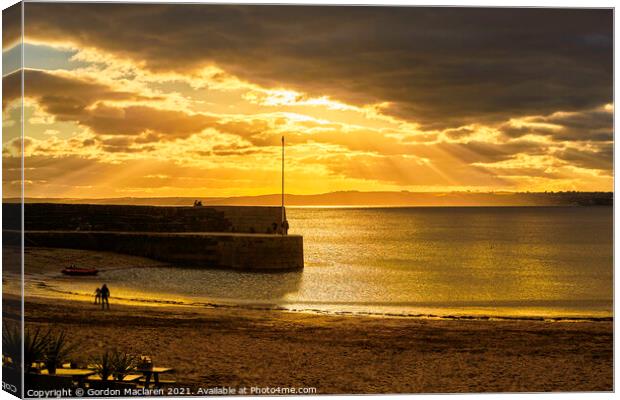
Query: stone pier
[[204, 237]]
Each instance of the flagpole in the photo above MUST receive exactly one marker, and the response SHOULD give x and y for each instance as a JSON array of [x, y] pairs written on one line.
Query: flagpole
[[282, 221]]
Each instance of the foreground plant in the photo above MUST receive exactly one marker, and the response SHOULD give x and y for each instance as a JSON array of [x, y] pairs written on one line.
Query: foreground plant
[[39, 345], [35, 345], [58, 349], [122, 364], [11, 344], [103, 365]]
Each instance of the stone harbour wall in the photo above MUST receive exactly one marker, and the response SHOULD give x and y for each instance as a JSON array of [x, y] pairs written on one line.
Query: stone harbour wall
[[210, 237], [247, 252], [97, 217]]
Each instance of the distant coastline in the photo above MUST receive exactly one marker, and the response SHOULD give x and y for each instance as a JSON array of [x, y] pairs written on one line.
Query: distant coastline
[[365, 199]]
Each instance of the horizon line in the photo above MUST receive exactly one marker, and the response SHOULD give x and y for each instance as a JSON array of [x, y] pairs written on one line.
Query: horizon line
[[327, 193]]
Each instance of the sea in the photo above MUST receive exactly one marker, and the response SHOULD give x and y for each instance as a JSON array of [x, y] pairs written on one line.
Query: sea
[[426, 262]]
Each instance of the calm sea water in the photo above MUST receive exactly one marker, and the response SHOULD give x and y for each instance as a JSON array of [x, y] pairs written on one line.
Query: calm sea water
[[521, 261]]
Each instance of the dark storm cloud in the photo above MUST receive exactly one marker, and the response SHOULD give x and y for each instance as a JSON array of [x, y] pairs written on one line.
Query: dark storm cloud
[[133, 120], [442, 67], [60, 95], [73, 99], [11, 25], [596, 125], [589, 125], [599, 158]]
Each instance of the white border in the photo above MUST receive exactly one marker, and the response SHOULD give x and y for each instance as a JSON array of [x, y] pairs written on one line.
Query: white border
[[458, 3]]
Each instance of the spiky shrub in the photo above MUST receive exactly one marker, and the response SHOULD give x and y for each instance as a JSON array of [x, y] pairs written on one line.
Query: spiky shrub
[[36, 341], [11, 344], [58, 349], [122, 364], [39, 346], [103, 365]]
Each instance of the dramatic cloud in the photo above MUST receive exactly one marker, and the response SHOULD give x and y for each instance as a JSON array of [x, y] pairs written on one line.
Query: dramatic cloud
[[588, 125], [437, 66], [60, 95], [72, 99], [600, 158], [157, 99], [11, 25], [137, 119]]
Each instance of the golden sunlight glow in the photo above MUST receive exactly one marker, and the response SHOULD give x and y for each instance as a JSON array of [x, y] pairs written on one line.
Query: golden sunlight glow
[[124, 129]]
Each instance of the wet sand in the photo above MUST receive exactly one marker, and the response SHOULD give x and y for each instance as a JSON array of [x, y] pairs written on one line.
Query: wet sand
[[343, 354]]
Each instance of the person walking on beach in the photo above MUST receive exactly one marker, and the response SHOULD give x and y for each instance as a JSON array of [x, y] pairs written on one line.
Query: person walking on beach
[[105, 294], [97, 295]]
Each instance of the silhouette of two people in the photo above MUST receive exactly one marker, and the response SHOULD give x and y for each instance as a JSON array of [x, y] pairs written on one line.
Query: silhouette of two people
[[102, 296], [280, 230]]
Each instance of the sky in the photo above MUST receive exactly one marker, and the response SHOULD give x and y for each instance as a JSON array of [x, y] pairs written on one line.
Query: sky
[[192, 100]]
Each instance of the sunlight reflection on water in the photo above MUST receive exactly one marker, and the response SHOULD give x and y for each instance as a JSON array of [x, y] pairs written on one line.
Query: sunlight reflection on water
[[498, 261]]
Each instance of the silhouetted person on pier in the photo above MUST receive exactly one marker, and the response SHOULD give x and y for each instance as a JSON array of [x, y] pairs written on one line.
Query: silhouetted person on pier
[[285, 227], [97, 295], [105, 294]]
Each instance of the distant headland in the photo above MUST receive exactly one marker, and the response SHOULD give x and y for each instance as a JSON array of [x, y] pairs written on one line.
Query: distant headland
[[368, 199]]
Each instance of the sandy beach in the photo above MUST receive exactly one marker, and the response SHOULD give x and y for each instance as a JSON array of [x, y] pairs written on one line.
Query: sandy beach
[[239, 347], [344, 354]]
